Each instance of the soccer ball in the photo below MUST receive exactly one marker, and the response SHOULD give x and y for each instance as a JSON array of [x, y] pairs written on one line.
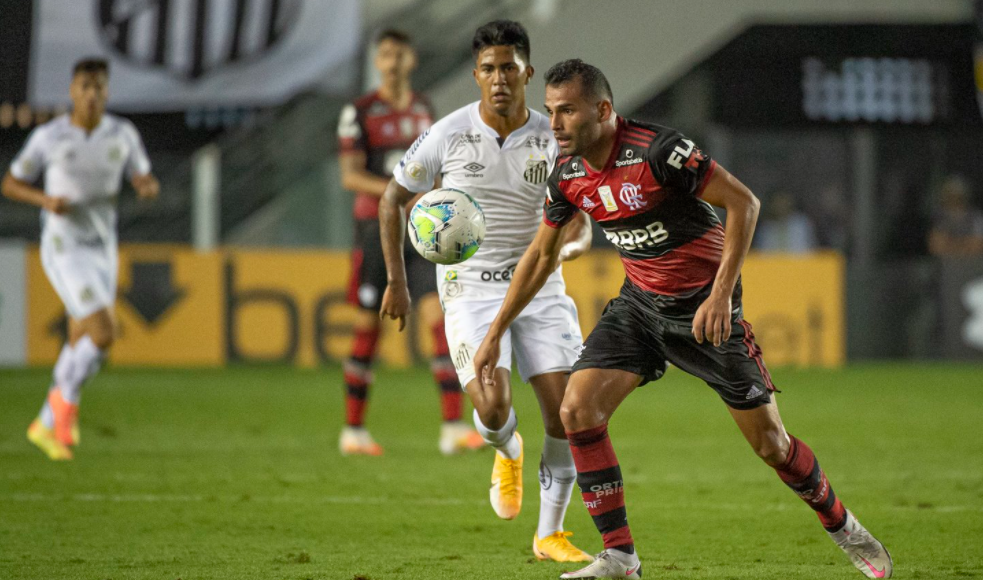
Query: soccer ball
[[446, 226]]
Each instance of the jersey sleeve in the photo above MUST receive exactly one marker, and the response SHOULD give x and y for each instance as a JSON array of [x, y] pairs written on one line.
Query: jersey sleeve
[[351, 130], [30, 162], [422, 162], [558, 210], [138, 162], [679, 165]]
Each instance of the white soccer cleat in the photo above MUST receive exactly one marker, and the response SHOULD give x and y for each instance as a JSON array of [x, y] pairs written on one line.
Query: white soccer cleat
[[456, 437], [610, 563], [865, 551], [358, 441]]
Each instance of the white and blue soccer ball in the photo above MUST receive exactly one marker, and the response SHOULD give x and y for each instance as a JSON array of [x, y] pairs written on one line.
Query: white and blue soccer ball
[[446, 226]]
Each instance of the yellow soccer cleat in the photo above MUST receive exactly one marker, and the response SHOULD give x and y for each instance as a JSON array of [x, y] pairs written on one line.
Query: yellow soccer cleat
[[558, 548], [46, 441], [506, 484], [66, 417]]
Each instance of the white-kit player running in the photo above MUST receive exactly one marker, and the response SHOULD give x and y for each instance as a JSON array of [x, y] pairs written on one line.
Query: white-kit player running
[[82, 156], [500, 153]]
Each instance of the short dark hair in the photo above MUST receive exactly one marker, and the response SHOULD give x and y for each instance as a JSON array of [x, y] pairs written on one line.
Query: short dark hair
[[501, 33], [91, 65], [595, 84], [395, 35]]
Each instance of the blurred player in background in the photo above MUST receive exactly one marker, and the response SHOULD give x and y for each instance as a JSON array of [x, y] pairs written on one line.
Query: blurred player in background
[[500, 153], [375, 132], [652, 190], [82, 156]]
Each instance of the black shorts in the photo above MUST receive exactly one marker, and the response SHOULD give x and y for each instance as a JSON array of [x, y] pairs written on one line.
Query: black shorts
[[368, 278], [632, 336]]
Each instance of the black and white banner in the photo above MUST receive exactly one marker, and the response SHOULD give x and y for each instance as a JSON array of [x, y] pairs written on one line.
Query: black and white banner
[[177, 54]]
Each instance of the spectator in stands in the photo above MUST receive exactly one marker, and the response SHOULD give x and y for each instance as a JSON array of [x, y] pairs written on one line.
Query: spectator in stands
[[785, 228], [957, 229]]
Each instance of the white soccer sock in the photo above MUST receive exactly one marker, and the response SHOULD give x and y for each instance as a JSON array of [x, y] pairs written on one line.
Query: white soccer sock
[[557, 474], [57, 375], [86, 360], [504, 439]]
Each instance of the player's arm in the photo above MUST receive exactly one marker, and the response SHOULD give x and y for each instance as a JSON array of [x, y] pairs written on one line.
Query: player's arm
[[23, 192], [392, 225], [355, 176], [712, 320], [138, 165], [539, 261], [146, 186], [576, 238]]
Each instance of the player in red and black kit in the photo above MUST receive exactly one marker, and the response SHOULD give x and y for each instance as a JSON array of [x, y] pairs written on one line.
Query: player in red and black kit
[[374, 133], [651, 190]]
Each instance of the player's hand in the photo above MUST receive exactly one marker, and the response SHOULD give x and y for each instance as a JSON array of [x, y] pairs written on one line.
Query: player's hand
[[395, 304], [57, 205], [147, 187], [486, 359], [712, 320]]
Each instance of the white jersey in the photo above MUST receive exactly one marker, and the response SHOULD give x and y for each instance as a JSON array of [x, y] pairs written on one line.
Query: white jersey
[[507, 179], [85, 169]]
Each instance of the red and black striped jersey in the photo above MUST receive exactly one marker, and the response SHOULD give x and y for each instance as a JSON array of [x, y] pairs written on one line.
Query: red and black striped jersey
[[647, 198], [372, 126]]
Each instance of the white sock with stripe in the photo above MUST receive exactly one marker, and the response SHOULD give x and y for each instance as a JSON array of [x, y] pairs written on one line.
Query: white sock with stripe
[[557, 474]]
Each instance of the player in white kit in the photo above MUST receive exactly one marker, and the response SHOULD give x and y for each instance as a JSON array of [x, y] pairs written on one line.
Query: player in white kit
[[82, 156], [499, 152]]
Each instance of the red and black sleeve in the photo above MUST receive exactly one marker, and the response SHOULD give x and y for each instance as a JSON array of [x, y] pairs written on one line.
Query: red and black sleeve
[[678, 164]]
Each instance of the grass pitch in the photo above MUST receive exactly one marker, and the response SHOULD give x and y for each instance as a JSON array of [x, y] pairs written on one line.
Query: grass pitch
[[235, 474]]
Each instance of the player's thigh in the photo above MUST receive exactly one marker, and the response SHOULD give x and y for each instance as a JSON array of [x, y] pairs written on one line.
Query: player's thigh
[[735, 369], [546, 336], [593, 394], [466, 323], [79, 275], [367, 280]]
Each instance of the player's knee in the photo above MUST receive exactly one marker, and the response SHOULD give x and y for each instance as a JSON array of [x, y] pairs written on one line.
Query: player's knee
[[103, 337], [493, 408], [772, 449], [577, 415]]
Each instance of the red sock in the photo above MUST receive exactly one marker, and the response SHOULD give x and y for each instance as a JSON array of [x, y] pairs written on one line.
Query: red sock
[[599, 478], [445, 376], [358, 375], [801, 472]]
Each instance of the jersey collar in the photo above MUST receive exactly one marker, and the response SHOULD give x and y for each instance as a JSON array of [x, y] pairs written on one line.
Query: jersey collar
[[476, 119]]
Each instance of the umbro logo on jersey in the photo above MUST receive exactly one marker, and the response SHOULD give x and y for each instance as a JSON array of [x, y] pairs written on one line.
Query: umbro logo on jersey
[[586, 203], [473, 169]]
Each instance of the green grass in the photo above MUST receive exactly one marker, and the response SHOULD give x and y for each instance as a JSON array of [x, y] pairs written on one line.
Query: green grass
[[235, 474]]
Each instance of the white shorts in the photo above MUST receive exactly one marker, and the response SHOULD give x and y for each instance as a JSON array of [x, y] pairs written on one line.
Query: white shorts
[[545, 337], [82, 274]]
